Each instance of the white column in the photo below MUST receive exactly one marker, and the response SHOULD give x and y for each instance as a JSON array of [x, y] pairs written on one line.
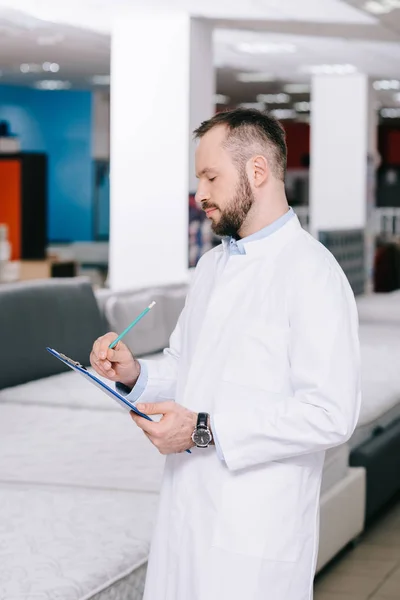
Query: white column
[[101, 125], [342, 134], [150, 128], [202, 86]]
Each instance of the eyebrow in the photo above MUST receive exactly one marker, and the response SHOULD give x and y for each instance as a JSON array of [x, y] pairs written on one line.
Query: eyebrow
[[205, 172]]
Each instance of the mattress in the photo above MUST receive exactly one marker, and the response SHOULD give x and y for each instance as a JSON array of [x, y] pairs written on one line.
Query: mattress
[[384, 308], [335, 466], [70, 544], [342, 515], [380, 379], [64, 390], [44, 445]]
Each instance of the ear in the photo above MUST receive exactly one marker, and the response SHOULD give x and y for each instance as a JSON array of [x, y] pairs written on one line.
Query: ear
[[258, 170]]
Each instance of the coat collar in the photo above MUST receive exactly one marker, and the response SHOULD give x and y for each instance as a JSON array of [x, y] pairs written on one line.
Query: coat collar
[[258, 244]]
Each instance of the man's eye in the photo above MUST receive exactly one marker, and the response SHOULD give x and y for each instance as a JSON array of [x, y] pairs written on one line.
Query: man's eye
[[212, 178]]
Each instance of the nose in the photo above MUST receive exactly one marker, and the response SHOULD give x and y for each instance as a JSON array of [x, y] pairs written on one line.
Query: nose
[[202, 194]]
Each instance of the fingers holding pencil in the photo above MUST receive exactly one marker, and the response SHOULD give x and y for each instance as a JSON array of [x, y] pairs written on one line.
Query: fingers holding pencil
[[117, 364]]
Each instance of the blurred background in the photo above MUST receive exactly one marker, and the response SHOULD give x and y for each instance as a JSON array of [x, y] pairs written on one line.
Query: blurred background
[[55, 89], [98, 102]]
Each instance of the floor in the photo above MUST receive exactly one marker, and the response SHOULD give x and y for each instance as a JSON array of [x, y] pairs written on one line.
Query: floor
[[371, 570]]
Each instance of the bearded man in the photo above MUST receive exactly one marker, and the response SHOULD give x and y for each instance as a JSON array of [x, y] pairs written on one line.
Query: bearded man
[[262, 376]]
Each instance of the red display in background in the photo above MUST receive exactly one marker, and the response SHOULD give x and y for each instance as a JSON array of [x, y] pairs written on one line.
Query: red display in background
[[10, 203], [389, 144], [298, 143]]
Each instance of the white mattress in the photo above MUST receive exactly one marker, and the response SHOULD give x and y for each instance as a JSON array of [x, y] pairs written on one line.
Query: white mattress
[[335, 467], [380, 373], [78, 496], [70, 544], [384, 308], [342, 514], [68, 447], [66, 390]]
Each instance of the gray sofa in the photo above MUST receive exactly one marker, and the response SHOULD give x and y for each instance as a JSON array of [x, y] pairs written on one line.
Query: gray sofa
[[78, 482]]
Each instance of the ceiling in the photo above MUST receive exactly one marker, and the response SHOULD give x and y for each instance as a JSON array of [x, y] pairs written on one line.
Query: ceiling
[[299, 34]]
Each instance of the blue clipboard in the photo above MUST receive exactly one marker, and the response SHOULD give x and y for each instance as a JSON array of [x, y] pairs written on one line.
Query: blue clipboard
[[112, 393], [78, 368]]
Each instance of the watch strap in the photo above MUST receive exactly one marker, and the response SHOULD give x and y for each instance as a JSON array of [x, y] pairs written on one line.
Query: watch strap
[[202, 421]]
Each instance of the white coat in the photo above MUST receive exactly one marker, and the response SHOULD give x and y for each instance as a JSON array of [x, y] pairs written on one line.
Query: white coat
[[268, 345]]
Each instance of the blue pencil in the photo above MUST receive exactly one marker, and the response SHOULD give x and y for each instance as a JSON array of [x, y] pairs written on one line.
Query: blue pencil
[[115, 342]]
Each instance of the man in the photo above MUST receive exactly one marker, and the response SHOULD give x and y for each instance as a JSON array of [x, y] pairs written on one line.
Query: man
[[267, 347]]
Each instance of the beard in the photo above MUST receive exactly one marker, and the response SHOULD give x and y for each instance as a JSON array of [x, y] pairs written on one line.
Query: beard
[[235, 214]]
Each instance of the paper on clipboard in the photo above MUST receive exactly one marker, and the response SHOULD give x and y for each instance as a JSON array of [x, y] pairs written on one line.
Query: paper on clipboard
[[112, 393]]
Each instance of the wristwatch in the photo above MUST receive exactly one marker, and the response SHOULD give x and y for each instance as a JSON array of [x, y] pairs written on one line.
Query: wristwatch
[[202, 436]]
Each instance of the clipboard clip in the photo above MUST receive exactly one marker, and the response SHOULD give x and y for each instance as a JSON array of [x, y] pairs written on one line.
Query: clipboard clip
[[72, 362]]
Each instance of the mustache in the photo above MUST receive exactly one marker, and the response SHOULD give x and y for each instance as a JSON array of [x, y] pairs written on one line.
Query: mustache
[[207, 206]]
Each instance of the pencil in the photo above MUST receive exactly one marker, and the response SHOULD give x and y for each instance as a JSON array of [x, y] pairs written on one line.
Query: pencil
[[146, 310]]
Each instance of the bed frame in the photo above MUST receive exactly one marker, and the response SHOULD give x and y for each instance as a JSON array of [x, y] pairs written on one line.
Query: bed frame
[[380, 456]]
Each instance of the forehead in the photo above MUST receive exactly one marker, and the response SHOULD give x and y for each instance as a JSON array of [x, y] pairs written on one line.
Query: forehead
[[210, 148]]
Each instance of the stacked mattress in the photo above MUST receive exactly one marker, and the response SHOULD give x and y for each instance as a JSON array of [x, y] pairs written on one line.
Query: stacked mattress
[[380, 352], [79, 482], [79, 485], [380, 355]]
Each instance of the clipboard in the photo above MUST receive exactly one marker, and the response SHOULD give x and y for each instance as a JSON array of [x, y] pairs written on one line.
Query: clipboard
[[112, 393]]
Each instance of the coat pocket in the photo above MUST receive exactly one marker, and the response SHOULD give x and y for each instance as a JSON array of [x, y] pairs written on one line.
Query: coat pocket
[[260, 512]]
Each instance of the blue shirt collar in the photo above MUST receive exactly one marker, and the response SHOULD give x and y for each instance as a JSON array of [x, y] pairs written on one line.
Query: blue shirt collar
[[238, 246]]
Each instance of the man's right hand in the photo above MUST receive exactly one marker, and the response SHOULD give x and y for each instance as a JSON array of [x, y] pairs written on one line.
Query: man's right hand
[[117, 364]]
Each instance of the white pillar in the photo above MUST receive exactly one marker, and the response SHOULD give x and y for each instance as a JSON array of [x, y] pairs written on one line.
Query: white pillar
[[150, 127], [341, 138], [202, 86], [101, 125]]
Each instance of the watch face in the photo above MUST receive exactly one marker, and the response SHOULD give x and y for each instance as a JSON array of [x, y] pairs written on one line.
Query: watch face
[[202, 437]]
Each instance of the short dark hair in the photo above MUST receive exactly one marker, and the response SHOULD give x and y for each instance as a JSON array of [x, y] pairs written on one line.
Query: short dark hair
[[251, 132]]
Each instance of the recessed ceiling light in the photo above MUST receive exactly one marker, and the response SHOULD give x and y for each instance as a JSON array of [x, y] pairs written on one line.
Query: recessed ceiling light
[[101, 79], [387, 84], [30, 68], [303, 106], [52, 67], [390, 113], [52, 84], [329, 69], [283, 113], [221, 99], [256, 105], [251, 77], [381, 7], [297, 88], [273, 98], [265, 48]]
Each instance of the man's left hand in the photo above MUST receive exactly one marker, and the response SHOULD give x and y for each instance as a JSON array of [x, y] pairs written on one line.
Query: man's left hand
[[173, 433]]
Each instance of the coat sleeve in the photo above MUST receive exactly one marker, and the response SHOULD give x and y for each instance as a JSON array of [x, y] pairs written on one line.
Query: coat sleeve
[[322, 411]]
